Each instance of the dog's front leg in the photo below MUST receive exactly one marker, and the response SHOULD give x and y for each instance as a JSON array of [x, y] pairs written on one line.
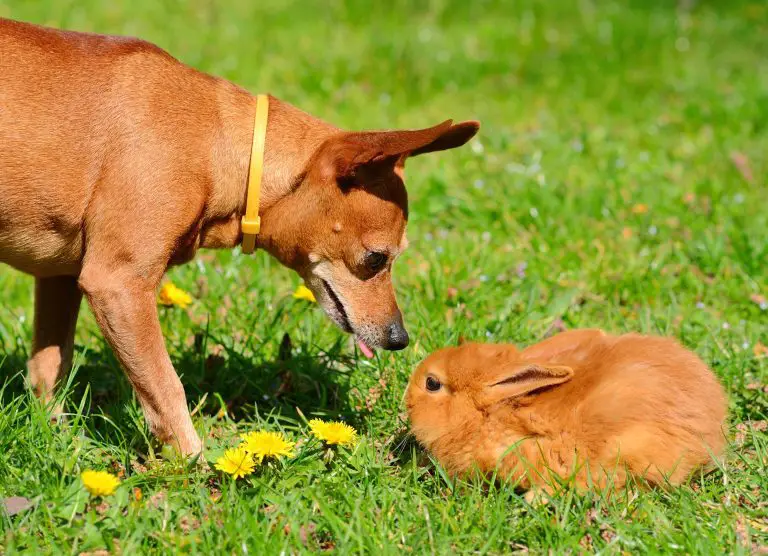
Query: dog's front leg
[[57, 301], [125, 308]]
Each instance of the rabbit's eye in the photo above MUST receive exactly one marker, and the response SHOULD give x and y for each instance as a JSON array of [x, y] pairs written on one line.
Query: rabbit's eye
[[433, 385]]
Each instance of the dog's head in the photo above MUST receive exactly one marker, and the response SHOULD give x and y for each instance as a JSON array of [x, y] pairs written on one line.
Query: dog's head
[[343, 225]]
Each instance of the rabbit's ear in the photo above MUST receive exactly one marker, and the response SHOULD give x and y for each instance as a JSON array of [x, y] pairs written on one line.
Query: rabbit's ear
[[523, 378]]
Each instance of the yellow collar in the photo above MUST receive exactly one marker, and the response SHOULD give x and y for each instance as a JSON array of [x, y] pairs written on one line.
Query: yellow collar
[[251, 223]]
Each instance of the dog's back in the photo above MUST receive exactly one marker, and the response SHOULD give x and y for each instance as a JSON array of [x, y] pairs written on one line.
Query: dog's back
[[78, 110]]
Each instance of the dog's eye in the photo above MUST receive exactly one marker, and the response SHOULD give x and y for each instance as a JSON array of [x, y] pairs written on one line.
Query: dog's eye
[[375, 261], [433, 385]]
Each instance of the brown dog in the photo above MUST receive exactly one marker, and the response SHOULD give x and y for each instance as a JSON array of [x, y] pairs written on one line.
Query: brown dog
[[583, 406], [118, 161]]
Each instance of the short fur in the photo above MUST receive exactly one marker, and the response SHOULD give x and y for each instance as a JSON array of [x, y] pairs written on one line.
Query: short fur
[[583, 405], [118, 161]]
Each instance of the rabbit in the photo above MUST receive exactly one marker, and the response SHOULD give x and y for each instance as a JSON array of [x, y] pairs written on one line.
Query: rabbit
[[583, 407]]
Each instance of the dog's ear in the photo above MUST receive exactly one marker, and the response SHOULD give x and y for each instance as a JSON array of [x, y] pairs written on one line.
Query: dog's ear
[[456, 136], [344, 154]]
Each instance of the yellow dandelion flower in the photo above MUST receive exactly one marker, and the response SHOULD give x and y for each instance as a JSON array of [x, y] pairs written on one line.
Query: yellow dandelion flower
[[334, 432], [264, 444], [236, 462], [303, 292], [99, 483], [640, 208], [170, 294]]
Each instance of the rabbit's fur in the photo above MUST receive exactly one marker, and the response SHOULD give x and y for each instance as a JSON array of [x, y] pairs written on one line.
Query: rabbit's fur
[[583, 405]]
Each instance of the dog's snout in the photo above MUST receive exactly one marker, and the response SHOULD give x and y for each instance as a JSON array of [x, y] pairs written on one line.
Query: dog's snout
[[398, 336]]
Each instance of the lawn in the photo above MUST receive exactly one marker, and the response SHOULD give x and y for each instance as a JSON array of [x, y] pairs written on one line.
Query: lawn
[[618, 181]]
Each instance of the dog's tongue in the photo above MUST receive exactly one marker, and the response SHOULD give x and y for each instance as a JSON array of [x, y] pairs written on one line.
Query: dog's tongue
[[368, 352]]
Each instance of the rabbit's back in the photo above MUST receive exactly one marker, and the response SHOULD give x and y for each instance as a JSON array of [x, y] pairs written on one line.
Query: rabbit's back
[[653, 405]]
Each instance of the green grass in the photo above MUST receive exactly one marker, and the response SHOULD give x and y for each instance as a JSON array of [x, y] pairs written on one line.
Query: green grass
[[589, 109]]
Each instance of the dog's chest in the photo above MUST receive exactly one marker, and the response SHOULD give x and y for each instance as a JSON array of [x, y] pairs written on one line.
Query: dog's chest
[[186, 247]]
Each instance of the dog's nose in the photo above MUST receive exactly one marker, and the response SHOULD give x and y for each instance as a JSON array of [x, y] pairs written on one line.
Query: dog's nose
[[398, 336]]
